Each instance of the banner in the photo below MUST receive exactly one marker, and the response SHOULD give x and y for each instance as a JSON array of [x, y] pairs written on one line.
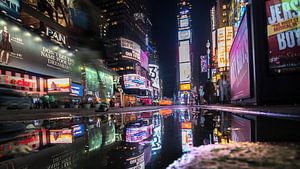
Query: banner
[[239, 64], [28, 51], [154, 75], [283, 35], [204, 63]]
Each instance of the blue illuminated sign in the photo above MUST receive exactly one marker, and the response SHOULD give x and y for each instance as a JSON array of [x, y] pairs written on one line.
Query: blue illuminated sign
[[11, 7], [78, 130], [76, 90]]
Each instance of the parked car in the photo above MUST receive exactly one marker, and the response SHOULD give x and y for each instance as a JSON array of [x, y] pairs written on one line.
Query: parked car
[[11, 99], [165, 102]]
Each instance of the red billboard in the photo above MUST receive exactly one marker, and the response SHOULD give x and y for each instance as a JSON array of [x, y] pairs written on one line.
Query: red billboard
[[283, 35], [239, 64]]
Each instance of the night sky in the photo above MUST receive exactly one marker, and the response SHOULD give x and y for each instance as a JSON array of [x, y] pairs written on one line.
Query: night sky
[[164, 32]]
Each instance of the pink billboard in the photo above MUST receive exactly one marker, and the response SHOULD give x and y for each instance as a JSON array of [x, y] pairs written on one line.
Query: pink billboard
[[239, 64], [144, 60]]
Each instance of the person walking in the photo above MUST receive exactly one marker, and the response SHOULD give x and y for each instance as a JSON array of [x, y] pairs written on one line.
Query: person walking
[[223, 88], [209, 90]]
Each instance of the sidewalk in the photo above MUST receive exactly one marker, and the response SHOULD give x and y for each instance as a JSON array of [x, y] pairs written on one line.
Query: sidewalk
[[283, 111]]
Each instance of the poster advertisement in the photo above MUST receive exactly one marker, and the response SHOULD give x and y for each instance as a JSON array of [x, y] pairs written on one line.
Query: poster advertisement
[[283, 35], [154, 75], [134, 81], [28, 51], [204, 63], [239, 64], [184, 51], [185, 72], [59, 85], [131, 50], [61, 136]]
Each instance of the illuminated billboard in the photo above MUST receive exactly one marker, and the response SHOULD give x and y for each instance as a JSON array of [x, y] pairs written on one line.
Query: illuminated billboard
[[132, 50], [184, 22], [76, 90], [134, 81], [204, 63], [144, 60], [59, 85], [221, 47], [185, 86], [184, 34], [78, 130], [239, 64], [185, 72], [187, 140], [184, 51], [283, 35], [62, 136], [154, 75], [138, 134]]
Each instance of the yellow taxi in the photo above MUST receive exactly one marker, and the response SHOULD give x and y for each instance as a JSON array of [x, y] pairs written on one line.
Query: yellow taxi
[[165, 102]]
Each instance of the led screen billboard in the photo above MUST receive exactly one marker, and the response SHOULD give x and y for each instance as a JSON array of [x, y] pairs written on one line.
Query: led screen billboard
[[61, 136], [184, 51], [78, 130], [239, 63], [185, 72], [131, 50], [11, 7], [28, 51], [184, 22], [144, 60], [134, 81], [138, 134], [154, 75], [184, 34], [221, 46], [283, 35], [76, 90], [61, 85], [187, 139]]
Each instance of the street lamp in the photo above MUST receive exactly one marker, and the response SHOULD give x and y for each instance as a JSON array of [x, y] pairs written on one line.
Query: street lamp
[[209, 60]]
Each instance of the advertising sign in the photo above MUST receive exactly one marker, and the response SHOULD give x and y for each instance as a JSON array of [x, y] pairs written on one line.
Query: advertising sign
[[184, 34], [240, 129], [76, 90], [184, 51], [62, 136], [134, 81], [214, 43], [27, 51], [94, 138], [156, 139], [185, 72], [187, 139], [229, 40], [11, 7], [138, 134], [204, 63], [154, 75], [61, 85], [185, 87], [137, 162], [56, 36], [18, 81], [144, 60], [132, 50], [184, 22], [239, 64], [221, 47], [283, 35], [78, 130]]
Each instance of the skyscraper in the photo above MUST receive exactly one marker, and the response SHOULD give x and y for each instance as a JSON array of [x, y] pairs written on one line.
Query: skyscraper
[[185, 52]]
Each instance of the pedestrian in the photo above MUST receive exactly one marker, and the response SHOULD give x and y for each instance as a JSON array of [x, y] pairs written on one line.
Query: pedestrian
[[223, 88], [209, 90]]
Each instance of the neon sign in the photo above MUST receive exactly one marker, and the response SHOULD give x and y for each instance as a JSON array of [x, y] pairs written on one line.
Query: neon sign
[[17, 81]]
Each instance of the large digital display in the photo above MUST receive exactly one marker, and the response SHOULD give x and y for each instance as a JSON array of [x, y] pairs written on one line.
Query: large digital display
[[138, 134], [184, 51], [221, 47], [185, 72], [61, 136], [144, 60], [78, 130], [76, 90], [11, 7], [28, 51], [134, 81], [61, 85], [154, 75], [184, 34], [239, 63], [184, 22], [187, 139], [132, 50], [283, 35]]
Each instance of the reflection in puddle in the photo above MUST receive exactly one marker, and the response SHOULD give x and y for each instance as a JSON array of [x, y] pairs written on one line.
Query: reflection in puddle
[[128, 140]]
